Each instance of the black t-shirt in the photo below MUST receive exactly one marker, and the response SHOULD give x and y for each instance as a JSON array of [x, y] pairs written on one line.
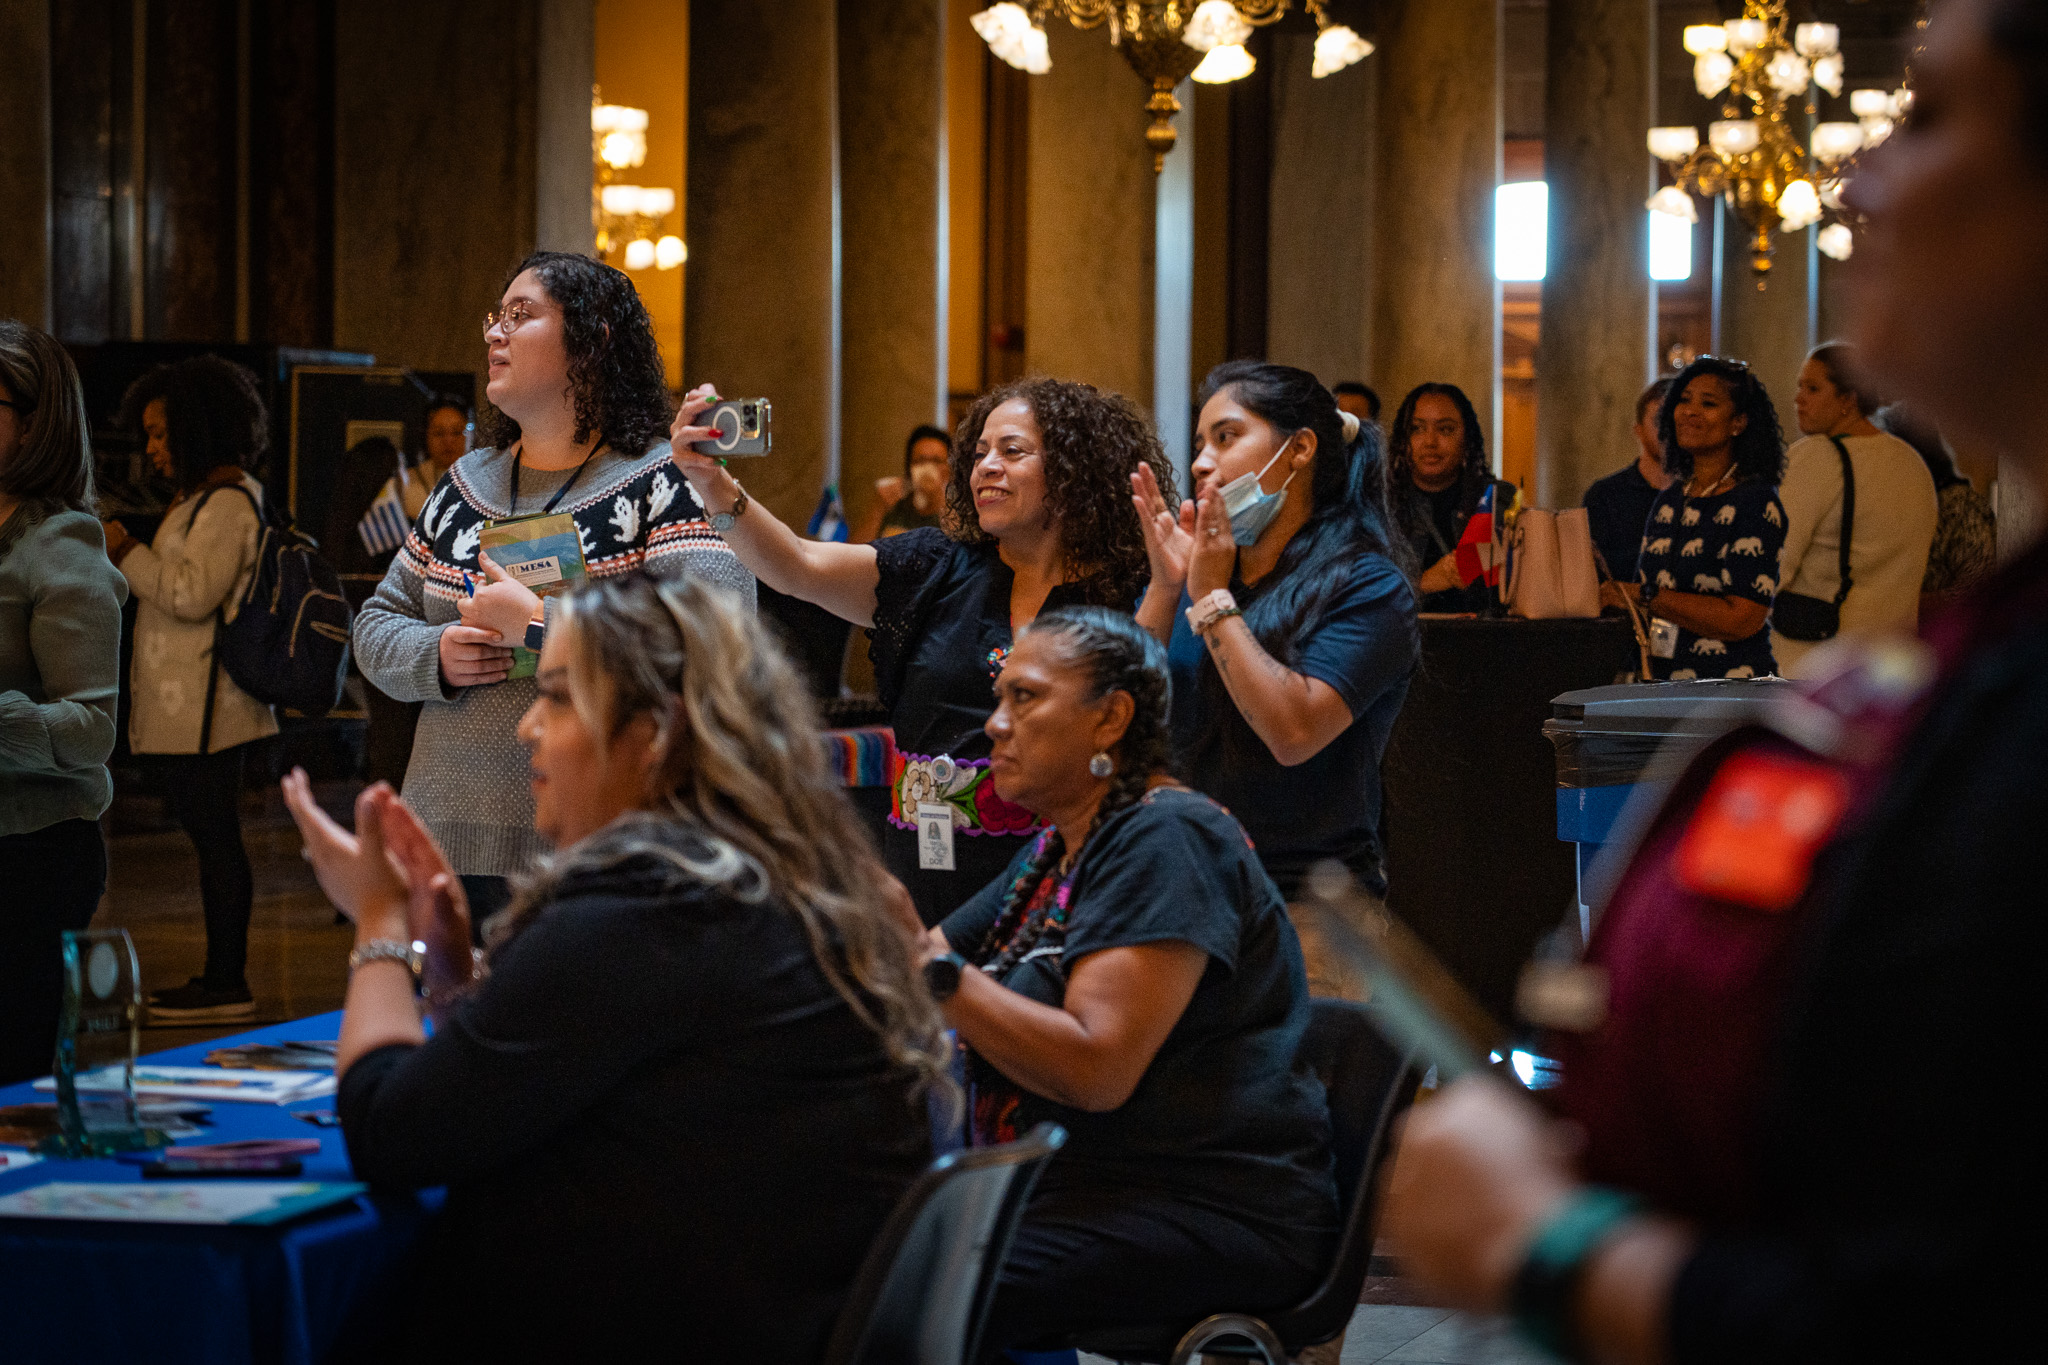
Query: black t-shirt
[[1364, 644], [1222, 1118], [1618, 506], [942, 627], [656, 1109]]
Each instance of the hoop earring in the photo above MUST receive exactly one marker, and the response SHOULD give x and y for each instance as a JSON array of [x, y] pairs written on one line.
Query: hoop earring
[[1102, 765]]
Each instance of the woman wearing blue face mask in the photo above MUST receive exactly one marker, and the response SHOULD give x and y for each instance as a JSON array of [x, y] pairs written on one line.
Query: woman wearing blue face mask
[[1289, 620]]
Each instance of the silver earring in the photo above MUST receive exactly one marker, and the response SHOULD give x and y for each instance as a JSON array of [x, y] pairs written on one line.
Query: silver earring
[[1102, 765]]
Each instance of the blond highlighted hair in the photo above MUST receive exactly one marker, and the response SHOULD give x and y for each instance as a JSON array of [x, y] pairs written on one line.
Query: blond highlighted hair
[[741, 797]]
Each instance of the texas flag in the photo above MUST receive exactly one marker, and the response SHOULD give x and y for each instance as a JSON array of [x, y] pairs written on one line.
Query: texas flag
[[1479, 551]]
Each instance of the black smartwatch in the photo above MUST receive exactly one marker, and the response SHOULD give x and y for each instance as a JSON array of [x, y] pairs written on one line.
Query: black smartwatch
[[942, 975], [536, 635]]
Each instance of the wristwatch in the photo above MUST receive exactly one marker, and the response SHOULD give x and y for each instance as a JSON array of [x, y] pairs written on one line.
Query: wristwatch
[[391, 950], [1212, 608], [942, 975], [1647, 593], [536, 635], [721, 522]]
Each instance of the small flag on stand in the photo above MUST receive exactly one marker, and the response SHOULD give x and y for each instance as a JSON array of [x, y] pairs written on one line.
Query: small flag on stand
[[383, 527], [1479, 550], [829, 521]]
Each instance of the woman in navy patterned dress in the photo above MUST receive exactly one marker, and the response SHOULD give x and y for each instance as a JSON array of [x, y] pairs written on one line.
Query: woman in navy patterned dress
[[1709, 567]]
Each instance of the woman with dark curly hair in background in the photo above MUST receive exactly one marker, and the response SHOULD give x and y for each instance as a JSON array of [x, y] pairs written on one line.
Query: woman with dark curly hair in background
[[575, 429], [1438, 470], [1709, 567], [1132, 976], [1041, 517], [187, 721]]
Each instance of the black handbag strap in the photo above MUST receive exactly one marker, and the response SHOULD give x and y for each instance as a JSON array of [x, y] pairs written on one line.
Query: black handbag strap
[[1848, 515]]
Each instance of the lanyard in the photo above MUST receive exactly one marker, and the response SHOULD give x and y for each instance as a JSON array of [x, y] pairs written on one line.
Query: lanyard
[[566, 486]]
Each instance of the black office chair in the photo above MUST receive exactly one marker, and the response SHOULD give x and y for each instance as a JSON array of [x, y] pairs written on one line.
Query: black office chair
[[923, 1292], [1369, 1084]]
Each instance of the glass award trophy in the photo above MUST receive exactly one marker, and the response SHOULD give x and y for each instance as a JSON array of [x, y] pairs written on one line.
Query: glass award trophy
[[97, 1038]]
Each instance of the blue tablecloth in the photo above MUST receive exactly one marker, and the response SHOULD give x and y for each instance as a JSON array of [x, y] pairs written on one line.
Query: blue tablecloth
[[76, 1292]]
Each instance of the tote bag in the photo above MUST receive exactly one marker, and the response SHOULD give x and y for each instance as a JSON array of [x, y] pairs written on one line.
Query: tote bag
[[1550, 565]]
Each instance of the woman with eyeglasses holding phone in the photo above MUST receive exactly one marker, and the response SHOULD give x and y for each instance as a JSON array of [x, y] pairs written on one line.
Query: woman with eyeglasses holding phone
[[579, 406]]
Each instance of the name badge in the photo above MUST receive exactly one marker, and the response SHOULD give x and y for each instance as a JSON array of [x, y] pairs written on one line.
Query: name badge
[[934, 837], [536, 573], [1663, 638]]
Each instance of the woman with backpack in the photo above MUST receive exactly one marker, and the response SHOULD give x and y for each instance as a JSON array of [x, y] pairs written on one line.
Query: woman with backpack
[[188, 720]]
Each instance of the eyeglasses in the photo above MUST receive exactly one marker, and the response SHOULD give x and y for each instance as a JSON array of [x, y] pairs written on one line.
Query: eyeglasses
[[507, 322]]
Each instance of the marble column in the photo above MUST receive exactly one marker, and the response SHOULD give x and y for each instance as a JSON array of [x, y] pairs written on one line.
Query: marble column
[[1320, 232], [1774, 327], [1599, 308], [1436, 304], [1090, 218], [456, 154], [892, 226], [1173, 292], [761, 313], [25, 161]]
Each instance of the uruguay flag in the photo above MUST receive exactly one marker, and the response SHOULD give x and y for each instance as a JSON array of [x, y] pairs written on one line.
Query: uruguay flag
[[383, 526], [1479, 550], [829, 521]]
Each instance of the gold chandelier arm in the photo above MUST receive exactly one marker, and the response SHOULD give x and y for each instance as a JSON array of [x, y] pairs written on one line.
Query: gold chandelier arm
[[1083, 14]]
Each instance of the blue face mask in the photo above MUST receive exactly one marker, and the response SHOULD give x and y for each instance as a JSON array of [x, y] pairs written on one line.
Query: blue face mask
[[1251, 508]]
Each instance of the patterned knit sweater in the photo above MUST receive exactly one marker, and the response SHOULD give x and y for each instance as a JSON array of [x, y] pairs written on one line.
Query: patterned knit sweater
[[468, 776]]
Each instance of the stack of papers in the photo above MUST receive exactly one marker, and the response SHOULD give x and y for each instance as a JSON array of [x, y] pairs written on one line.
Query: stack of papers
[[177, 1201], [213, 1083]]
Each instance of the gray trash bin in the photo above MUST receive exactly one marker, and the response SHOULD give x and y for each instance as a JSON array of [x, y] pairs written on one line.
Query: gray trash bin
[[1614, 743]]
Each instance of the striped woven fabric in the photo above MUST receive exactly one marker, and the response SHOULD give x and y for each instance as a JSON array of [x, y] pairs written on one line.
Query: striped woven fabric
[[863, 757]]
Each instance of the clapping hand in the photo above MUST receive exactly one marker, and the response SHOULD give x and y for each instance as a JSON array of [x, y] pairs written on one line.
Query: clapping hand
[[503, 604], [1169, 533], [354, 870], [1212, 562], [437, 911]]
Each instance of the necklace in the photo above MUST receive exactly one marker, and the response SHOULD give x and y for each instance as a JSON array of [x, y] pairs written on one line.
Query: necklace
[[1726, 478]]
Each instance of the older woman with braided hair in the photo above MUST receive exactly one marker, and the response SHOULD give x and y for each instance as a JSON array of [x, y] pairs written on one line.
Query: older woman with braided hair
[[1134, 977]]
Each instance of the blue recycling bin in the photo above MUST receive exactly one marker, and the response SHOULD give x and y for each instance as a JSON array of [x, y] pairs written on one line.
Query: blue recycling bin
[[1615, 744]]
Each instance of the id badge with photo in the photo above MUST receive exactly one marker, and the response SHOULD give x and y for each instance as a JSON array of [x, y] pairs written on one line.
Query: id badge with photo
[[1663, 638], [934, 836]]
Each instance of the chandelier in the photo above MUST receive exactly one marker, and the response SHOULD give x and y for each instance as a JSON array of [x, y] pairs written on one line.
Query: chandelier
[[624, 215], [1166, 42], [1753, 158]]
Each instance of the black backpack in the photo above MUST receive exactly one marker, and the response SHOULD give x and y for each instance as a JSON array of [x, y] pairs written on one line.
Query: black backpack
[[288, 643]]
